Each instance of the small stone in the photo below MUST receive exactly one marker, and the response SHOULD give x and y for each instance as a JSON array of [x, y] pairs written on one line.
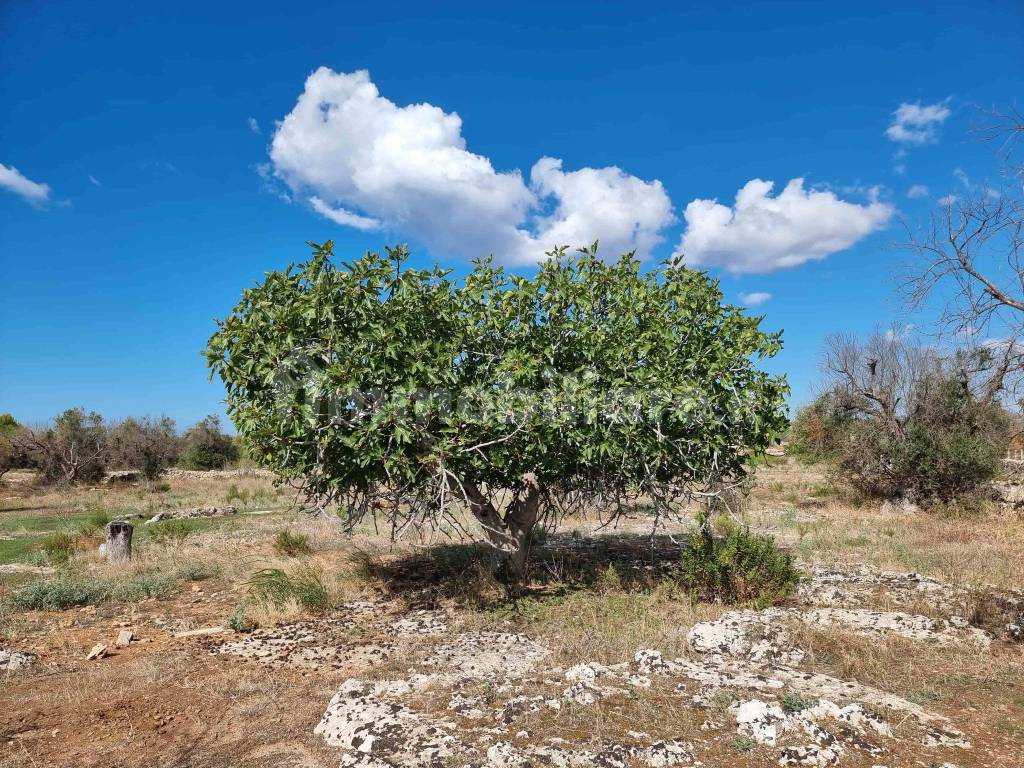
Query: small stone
[[124, 638], [98, 651]]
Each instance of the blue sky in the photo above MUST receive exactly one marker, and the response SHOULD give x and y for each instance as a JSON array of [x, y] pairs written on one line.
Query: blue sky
[[169, 187]]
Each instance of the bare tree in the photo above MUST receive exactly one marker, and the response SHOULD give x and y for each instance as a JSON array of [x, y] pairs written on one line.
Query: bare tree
[[971, 257]]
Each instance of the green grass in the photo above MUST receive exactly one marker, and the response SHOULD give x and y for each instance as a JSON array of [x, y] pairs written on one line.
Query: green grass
[[173, 531], [70, 591], [306, 586], [18, 550], [291, 544]]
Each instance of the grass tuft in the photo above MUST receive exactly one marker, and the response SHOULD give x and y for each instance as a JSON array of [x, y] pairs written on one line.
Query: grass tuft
[[291, 544]]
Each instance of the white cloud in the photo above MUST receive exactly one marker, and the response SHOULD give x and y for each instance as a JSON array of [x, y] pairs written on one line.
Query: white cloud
[[755, 299], [343, 217], [963, 178], [366, 161], [917, 123], [32, 191], [761, 233], [94, 181], [947, 201], [254, 126], [917, 191]]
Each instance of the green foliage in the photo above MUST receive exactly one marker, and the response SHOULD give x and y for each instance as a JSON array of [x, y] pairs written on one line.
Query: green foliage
[[946, 448], [173, 531], [207, 447], [73, 450], [742, 744], [794, 702], [238, 621], [291, 544], [58, 594], [741, 567], [145, 445], [817, 433], [59, 546], [197, 572], [276, 587], [95, 520], [12, 454], [596, 379]]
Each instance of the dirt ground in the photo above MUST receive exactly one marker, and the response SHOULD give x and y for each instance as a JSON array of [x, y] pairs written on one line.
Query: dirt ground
[[176, 699]]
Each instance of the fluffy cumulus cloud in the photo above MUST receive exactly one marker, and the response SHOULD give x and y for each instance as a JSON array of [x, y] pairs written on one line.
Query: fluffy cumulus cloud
[[917, 191], [917, 123], [32, 191], [362, 161], [761, 233], [755, 299]]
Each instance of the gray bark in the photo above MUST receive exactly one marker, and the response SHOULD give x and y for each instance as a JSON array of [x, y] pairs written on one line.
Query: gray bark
[[118, 546], [509, 535]]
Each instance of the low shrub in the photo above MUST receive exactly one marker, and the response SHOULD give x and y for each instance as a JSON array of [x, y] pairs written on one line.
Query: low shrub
[[238, 621], [197, 572], [95, 521], [58, 594], [276, 587], [207, 447], [291, 544], [59, 546], [172, 531], [741, 567]]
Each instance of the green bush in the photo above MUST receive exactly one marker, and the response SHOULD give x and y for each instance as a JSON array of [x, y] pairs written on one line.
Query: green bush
[[197, 572], [275, 587], [58, 594], [291, 544], [818, 431], [207, 447], [172, 531], [59, 546], [238, 621], [741, 567], [947, 448], [95, 521]]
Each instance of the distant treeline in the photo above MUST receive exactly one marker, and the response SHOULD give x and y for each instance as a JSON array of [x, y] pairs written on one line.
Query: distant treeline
[[79, 446]]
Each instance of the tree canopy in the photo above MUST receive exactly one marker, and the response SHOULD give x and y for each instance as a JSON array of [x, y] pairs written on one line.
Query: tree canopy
[[405, 391]]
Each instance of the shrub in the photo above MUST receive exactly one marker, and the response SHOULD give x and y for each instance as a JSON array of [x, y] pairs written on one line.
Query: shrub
[[741, 567], [916, 425], [145, 445], [197, 572], [172, 531], [58, 594], [73, 450], [96, 520], [817, 432], [12, 453], [207, 447], [59, 546], [238, 621], [291, 544], [306, 587]]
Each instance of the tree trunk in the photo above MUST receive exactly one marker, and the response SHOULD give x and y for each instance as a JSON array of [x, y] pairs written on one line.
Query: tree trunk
[[509, 535], [118, 546]]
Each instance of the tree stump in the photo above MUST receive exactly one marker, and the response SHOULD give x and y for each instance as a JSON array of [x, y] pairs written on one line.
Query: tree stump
[[118, 546]]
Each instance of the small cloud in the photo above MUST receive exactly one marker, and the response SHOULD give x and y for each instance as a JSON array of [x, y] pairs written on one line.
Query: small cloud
[[947, 201], [253, 125], [343, 217], [94, 181], [917, 123], [963, 178], [762, 233], [36, 193], [755, 299], [917, 191]]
